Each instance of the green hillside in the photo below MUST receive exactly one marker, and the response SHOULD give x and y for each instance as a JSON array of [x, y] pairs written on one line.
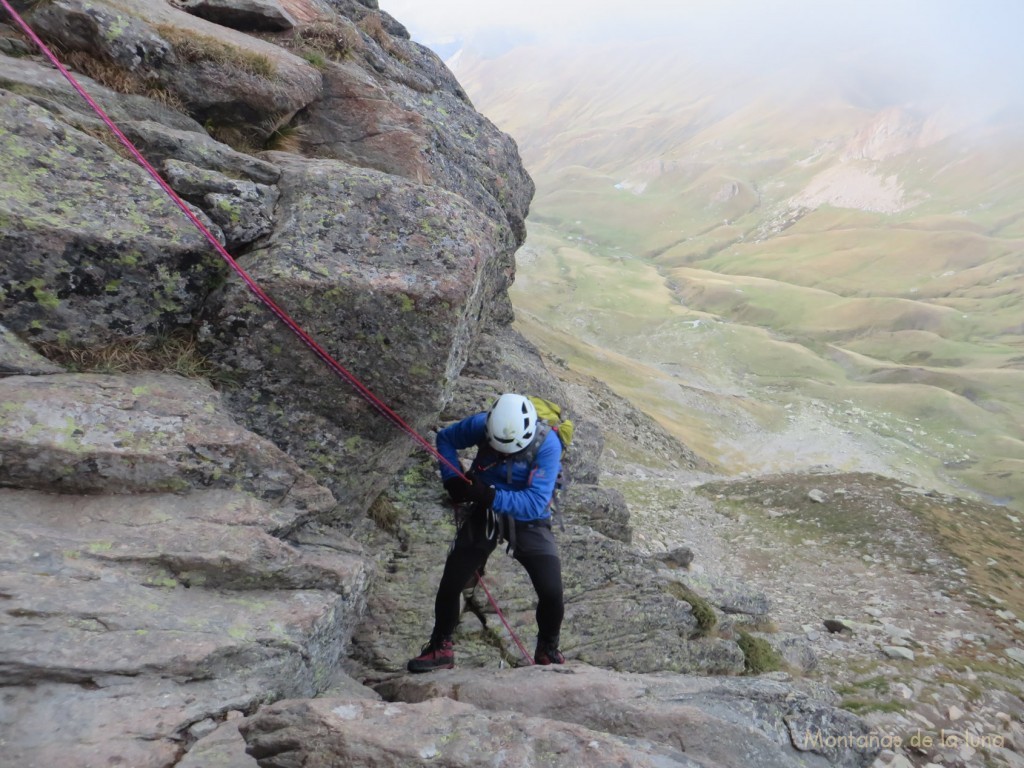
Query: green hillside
[[782, 277]]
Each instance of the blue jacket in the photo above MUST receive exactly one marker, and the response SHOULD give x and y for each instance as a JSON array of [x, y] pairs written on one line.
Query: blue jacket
[[528, 496]]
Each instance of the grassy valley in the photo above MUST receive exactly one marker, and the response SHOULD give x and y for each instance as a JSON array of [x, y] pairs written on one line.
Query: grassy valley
[[784, 277]]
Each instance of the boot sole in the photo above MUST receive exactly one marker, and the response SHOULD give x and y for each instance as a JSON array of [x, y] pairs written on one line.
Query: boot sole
[[420, 670]]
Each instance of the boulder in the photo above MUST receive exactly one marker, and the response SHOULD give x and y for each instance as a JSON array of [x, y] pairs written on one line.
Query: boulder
[[224, 748], [46, 87], [680, 557], [213, 539], [621, 614], [18, 358], [244, 15], [128, 619], [898, 652], [837, 626], [225, 78], [394, 279], [730, 596], [160, 143], [408, 116], [716, 721], [243, 210]]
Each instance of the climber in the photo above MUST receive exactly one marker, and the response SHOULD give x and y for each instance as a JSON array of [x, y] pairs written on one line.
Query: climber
[[506, 495]]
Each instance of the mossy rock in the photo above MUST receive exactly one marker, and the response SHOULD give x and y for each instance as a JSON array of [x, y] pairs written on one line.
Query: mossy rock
[[703, 612]]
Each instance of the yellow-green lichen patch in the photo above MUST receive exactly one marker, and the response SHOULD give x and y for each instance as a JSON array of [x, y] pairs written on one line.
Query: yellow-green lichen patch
[[43, 297], [231, 208], [116, 28]]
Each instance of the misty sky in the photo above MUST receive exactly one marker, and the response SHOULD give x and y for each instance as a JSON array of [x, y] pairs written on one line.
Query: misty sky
[[961, 46]]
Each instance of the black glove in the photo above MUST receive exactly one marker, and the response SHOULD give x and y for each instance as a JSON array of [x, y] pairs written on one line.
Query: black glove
[[458, 489], [481, 493]]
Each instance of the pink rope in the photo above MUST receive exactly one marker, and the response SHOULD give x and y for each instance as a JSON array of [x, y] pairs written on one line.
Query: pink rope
[[494, 604]]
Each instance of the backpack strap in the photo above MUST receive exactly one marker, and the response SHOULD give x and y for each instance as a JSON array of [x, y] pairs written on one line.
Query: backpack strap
[[529, 453]]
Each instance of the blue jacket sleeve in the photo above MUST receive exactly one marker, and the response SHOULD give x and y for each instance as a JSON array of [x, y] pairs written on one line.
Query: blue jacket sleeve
[[532, 501], [462, 434]]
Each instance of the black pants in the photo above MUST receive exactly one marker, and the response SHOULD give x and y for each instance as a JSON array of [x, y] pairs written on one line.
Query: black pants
[[535, 549]]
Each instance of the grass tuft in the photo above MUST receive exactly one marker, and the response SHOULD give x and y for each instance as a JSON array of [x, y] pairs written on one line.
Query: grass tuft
[[373, 25], [758, 655], [324, 41], [116, 78], [239, 138], [385, 515], [315, 58], [286, 138]]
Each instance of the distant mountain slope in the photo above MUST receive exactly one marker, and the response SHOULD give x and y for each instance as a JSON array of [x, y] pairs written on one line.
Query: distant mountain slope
[[851, 248]]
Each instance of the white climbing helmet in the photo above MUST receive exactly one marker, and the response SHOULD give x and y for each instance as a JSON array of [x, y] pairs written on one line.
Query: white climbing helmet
[[511, 423]]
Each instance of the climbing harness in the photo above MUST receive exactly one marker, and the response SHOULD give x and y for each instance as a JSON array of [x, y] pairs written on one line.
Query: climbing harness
[[342, 372]]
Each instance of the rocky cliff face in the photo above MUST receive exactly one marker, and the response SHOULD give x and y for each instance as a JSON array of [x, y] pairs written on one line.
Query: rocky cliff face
[[177, 556]]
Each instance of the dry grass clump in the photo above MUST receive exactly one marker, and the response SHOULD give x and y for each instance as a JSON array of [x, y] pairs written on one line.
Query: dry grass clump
[[286, 138], [385, 515], [324, 41], [196, 48], [252, 139], [373, 25], [239, 137], [176, 353], [109, 74]]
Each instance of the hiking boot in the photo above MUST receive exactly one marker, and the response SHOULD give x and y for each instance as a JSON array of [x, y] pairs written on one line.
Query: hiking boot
[[437, 654], [548, 653]]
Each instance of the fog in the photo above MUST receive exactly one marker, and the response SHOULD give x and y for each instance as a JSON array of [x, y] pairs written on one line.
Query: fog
[[962, 54]]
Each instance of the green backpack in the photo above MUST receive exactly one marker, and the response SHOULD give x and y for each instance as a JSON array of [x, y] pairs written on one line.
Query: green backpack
[[552, 414]]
